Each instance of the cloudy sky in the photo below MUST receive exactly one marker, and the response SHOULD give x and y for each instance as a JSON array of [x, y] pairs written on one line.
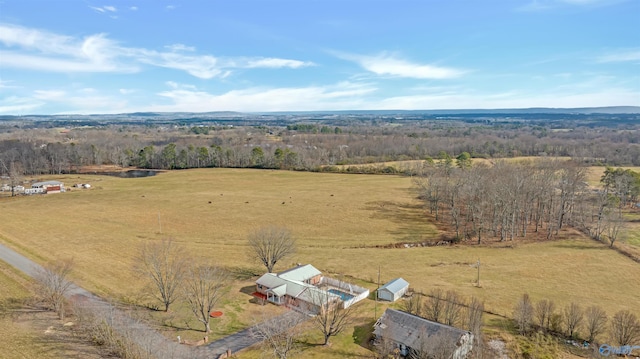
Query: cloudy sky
[[94, 56]]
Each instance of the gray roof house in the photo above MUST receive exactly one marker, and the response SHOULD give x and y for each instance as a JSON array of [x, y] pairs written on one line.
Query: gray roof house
[[295, 288], [393, 290], [302, 273], [304, 288], [412, 336]]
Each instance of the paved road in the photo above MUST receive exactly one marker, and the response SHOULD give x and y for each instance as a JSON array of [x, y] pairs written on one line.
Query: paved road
[[246, 338], [150, 340]]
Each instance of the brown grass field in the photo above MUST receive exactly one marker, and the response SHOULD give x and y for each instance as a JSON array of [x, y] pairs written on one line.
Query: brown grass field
[[336, 219]]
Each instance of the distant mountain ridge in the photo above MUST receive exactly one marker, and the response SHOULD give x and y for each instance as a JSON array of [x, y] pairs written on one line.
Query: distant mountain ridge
[[610, 110], [532, 110]]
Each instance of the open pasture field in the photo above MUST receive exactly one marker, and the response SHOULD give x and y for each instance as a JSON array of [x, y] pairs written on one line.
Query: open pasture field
[[594, 173], [211, 212], [411, 164], [337, 218]]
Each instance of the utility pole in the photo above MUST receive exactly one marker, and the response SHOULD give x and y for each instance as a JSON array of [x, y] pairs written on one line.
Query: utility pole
[[478, 280], [375, 310]]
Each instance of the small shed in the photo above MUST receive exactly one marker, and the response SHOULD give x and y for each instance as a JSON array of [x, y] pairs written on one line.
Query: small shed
[[393, 290]]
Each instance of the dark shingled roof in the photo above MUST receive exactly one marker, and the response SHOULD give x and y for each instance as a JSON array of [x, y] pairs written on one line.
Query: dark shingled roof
[[410, 330]]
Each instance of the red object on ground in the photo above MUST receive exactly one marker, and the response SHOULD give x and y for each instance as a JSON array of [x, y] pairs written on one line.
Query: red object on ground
[[215, 314], [259, 295]]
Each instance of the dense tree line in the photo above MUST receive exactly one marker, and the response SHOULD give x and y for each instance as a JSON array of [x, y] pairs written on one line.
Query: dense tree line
[[513, 199], [303, 146]]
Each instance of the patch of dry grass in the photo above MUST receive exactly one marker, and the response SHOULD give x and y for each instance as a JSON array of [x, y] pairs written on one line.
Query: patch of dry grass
[[12, 284], [31, 333]]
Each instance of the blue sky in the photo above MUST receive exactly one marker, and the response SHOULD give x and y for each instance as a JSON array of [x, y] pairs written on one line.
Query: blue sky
[[94, 56]]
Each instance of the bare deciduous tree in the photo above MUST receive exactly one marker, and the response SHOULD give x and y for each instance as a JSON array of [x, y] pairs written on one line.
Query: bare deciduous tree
[[615, 224], [413, 305], [53, 284], [596, 322], [164, 264], [572, 316], [332, 318], [434, 305], [475, 311], [204, 286], [15, 176], [523, 314], [625, 328], [452, 307], [544, 310], [269, 245], [280, 334]]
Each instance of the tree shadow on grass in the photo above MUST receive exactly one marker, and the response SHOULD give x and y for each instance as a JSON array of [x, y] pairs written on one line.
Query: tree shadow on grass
[[244, 273], [413, 224], [505, 324], [581, 246], [362, 334]]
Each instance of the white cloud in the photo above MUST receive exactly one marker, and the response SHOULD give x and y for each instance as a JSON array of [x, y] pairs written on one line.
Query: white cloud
[[15, 105], [204, 66], [41, 50], [104, 9], [180, 47], [32, 39], [511, 99], [276, 63], [45, 51], [342, 96], [390, 65], [83, 101], [6, 84], [358, 96], [127, 91], [207, 66], [621, 56], [50, 95], [174, 85]]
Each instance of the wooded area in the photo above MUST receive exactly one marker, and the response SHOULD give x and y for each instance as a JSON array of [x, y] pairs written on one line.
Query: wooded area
[[305, 145], [511, 199]]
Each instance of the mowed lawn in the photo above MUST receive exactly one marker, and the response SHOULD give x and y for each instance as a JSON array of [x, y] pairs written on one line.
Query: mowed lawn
[[336, 218]]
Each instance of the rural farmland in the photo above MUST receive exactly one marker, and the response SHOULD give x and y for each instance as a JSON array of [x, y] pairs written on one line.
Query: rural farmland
[[339, 220]]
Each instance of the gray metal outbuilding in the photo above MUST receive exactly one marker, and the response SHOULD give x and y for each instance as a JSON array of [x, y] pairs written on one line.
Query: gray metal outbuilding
[[393, 290]]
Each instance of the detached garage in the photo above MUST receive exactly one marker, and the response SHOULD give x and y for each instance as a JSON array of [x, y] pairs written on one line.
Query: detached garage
[[393, 290]]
